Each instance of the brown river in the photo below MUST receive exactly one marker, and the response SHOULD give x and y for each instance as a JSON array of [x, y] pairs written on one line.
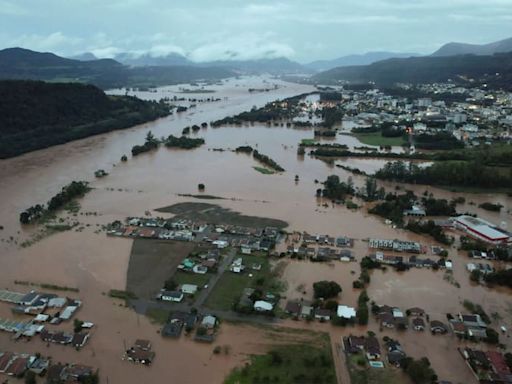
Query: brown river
[[94, 263]]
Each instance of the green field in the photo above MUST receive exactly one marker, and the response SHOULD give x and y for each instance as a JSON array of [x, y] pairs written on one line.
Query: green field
[[230, 286], [308, 141], [289, 364], [157, 315], [181, 277], [265, 171], [376, 138]]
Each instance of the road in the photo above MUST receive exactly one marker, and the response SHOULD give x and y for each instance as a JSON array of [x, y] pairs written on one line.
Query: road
[[142, 305], [224, 265]]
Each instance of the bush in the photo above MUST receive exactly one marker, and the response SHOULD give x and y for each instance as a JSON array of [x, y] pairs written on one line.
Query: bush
[[170, 285], [492, 336], [30, 377], [491, 207], [419, 371], [475, 275], [275, 358], [77, 325], [326, 289]]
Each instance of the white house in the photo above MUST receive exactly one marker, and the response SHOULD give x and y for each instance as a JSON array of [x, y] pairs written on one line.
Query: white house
[[220, 243], [209, 321], [189, 289], [346, 312], [173, 296], [200, 269], [237, 266], [263, 306]]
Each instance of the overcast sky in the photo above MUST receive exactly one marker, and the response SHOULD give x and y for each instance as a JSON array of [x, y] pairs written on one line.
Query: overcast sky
[[302, 30]]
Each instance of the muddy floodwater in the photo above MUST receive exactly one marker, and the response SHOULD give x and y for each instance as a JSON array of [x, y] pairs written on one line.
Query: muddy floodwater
[[90, 261]]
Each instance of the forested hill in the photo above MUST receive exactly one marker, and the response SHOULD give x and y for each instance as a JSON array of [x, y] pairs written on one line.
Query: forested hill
[[495, 70], [35, 114], [24, 64]]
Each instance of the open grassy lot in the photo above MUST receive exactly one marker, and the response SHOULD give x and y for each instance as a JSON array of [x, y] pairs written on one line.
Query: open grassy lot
[[265, 171], [376, 138], [181, 277], [361, 373], [158, 315], [305, 362], [308, 141], [231, 285], [151, 264], [215, 214]]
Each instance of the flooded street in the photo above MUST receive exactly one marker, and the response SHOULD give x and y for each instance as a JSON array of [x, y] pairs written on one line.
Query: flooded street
[[90, 261]]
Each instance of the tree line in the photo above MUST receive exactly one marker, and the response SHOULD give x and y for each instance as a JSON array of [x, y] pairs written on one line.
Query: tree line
[[35, 115], [67, 193], [451, 173]]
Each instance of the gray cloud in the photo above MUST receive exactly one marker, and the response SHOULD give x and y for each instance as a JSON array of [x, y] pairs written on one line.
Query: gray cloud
[[205, 30]]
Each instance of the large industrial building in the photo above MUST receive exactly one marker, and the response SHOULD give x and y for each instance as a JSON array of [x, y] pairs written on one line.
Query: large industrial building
[[482, 230]]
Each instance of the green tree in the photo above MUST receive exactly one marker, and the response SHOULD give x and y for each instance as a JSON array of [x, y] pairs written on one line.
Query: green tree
[[77, 325], [475, 275], [326, 289], [362, 312], [170, 284], [419, 371], [371, 188], [30, 377]]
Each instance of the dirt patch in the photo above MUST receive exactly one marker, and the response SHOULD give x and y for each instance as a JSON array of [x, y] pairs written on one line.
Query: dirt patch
[[215, 214], [151, 263]]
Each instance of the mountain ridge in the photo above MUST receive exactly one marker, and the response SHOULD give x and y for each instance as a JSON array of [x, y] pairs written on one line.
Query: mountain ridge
[[356, 59], [454, 48]]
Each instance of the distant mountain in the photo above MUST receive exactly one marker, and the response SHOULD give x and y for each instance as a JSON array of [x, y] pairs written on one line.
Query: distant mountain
[[363, 59], [159, 75], [147, 60], [86, 56], [19, 63], [451, 49], [275, 66], [495, 70]]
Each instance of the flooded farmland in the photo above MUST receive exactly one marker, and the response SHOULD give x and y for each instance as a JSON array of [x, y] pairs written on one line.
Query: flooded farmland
[[88, 260]]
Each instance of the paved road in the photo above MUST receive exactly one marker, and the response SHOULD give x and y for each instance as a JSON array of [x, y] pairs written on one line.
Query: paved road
[[224, 265], [142, 305]]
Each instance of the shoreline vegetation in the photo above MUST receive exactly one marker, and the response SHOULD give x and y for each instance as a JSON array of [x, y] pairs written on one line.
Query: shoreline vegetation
[[52, 287], [36, 115], [458, 173], [377, 139], [171, 141], [39, 212], [263, 159], [480, 168], [282, 112], [264, 171], [392, 206]]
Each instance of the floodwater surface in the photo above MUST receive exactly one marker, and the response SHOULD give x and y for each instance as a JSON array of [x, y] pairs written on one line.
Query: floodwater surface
[[90, 261]]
